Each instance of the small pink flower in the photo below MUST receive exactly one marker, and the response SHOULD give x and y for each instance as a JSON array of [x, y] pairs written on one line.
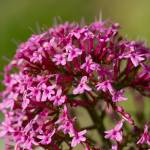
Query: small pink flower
[[134, 57], [82, 86], [67, 127], [117, 96], [145, 137], [72, 52], [46, 139], [58, 99], [36, 58], [105, 86], [89, 65], [66, 124], [115, 133], [60, 59], [78, 138], [48, 91], [35, 93]]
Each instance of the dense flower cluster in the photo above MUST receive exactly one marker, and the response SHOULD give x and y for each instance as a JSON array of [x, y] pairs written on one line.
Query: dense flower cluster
[[66, 67]]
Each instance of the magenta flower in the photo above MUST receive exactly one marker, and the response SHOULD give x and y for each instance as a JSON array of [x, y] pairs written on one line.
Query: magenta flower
[[60, 59], [78, 138], [48, 91], [105, 86], [134, 57], [89, 65], [115, 133], [35, 93], [46, 139], [82, 87], [37, 57], [58, 99], [67, 127], [145, 137], [72, 52], [117, 96]]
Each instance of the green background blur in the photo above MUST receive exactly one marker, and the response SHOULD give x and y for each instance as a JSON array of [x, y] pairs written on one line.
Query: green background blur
[[20, 18]]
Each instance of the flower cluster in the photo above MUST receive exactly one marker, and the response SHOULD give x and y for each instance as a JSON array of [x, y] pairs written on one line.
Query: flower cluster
[[66, 67]]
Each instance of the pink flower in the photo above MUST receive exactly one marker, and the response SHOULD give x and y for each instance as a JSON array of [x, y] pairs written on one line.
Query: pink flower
[[117, 96], [145, 137], [72, 52], [134, 57], [78, 138], [60, 59], [35, 93], [82, 87], [48, 91], [58, 99], [105, 86], [36, 58], [46, 139], [89, 65], [115, 133], [67, 126]]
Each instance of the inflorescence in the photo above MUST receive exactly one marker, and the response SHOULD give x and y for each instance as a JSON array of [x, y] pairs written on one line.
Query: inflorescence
[[72, 66]]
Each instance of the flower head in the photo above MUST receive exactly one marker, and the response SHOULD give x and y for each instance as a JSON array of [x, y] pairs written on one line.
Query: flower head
[[66, 67]]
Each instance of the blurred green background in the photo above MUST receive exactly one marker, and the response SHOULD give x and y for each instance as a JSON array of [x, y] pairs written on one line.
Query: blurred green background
[[20, 18]]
